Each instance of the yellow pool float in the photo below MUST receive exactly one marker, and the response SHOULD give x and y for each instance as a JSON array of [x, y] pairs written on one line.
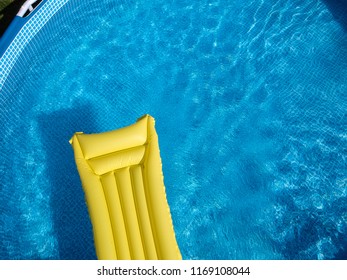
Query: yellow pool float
[[122, 178]]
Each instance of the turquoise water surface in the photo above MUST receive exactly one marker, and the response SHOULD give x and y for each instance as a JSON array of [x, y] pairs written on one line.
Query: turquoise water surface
[[250, 108]]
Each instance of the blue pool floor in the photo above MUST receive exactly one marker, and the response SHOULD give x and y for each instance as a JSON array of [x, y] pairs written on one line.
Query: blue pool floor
[[250, 108]]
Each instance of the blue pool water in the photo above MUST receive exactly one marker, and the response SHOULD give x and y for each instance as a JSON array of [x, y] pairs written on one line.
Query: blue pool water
[[250, 107]]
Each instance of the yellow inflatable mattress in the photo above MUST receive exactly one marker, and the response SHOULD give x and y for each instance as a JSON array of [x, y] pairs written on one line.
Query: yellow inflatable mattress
[[122, 178]]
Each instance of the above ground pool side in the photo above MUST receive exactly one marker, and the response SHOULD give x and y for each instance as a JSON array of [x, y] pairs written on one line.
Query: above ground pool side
[[21, 31], [19, 20], [11, 32]]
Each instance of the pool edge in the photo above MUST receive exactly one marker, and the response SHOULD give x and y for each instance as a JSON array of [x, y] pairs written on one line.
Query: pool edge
[[21, 31]]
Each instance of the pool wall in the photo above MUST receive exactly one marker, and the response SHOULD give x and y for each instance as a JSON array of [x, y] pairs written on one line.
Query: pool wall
[[21, 32]]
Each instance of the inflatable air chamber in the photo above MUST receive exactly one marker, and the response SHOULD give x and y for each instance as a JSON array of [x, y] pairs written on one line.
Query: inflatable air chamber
[[122, 178]]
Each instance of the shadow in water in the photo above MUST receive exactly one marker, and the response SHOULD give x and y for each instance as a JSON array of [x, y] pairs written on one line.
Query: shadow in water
[[338, 9], [341, 255], [341, 207], [70, 215], [8, 14]]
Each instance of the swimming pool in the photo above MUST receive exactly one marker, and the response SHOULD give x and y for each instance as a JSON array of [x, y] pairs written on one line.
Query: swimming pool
[[250, 104]]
